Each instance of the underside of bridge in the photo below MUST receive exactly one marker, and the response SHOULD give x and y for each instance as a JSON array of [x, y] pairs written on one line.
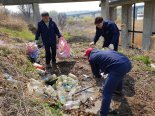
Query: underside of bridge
[[19, 2], [108, 11]]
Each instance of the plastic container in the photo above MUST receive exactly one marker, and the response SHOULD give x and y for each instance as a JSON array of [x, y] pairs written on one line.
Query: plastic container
[[61, 95], [35, 87], [38, 66], [41, 72], [9, 78], [72, 76], [50, 91], [71, 105]]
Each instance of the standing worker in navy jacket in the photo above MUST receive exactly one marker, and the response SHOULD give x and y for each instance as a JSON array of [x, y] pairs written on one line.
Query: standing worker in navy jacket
[[109, 31], [116, 65], [48, 31]]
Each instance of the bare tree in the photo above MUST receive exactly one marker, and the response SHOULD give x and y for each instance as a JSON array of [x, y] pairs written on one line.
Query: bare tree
[[54, 16], [26, 10], [62, 20]]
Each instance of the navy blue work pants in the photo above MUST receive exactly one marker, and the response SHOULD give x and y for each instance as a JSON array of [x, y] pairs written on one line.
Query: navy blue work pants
[[50, 53], [113, 83]]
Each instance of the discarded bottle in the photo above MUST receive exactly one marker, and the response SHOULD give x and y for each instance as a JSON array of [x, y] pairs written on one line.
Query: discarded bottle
[[61, 95], [38, 66], [71, 105], [86, 78], [35, 87], [41, 72], [9, 77], [50, 91], [72, 76], [153, 66]]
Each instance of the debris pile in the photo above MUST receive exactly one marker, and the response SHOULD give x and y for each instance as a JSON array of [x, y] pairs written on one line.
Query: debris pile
[[64, 88]]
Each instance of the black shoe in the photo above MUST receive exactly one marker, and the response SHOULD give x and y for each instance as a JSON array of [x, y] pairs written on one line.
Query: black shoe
[[54, 63], [48, 66], [118, 93], [113, 112]]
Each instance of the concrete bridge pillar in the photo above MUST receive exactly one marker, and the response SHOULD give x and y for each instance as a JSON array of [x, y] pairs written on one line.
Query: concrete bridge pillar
[[148, 25], [112, 13], [105, 9], [36, 13], [126, 25], [153, 17]]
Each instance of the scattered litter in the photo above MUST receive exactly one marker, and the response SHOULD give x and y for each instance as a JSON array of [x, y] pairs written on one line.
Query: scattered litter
[[14, 83], [64, 87], [51, 81], [9, 78], [153, 65], [71, 105], [38, 66], [66, 82], [41, 72], [86, 78], [72, 76], [85, 89], [50, 91], [36, 87]]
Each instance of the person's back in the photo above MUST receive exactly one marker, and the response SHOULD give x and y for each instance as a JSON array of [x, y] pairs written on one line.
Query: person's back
[[107, 59]]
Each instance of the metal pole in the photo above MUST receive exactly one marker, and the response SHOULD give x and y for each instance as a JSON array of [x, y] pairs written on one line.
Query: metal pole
[[134, 14]]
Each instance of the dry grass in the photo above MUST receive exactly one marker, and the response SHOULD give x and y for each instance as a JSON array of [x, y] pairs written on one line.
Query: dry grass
[[11, 22], [14, 97]]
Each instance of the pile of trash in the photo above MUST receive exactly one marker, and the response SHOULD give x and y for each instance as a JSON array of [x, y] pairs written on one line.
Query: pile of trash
[[64, 88]]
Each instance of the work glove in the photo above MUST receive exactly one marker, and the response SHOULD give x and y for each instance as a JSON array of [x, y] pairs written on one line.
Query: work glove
[[92, 43], [111, 46], [35, 41]]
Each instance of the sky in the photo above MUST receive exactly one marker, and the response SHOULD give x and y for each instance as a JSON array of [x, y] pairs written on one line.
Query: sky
[[64, 7]]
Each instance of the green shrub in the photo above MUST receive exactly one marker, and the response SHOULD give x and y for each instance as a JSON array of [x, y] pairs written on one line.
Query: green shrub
[[145, 59]]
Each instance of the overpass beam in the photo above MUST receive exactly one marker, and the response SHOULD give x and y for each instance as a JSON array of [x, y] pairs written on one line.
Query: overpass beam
[[105, 9], [36, 13], [147, 25], [126, 25]]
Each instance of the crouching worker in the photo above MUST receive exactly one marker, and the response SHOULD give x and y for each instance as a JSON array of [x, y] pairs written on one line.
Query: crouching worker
[[48, 31], [109, 31], [116, 65]]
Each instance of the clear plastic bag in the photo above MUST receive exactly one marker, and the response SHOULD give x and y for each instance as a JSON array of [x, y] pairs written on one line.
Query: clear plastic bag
[[63, 49]]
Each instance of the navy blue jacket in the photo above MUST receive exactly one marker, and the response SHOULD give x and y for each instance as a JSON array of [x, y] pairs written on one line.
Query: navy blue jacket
[[105, 60], [110, 32], [48, 34]]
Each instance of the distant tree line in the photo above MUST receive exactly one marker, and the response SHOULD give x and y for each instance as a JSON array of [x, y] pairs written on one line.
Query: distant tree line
[[59, 18]]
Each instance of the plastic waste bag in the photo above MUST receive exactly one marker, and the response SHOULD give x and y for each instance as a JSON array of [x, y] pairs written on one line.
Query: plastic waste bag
[[63, 49], [32, 50]]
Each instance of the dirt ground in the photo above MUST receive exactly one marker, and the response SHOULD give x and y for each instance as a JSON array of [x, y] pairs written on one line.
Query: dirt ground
[[138, 89], [138, 86]]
